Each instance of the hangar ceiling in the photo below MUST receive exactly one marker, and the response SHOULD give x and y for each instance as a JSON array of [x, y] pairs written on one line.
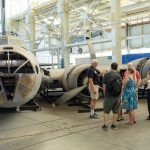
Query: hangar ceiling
[[97, 12]]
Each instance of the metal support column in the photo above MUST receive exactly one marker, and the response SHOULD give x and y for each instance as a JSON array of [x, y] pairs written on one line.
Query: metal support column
[[127, 34], [10, 23], [50, 51], [30, 23], [62, 9], [89, 40], [31, 29], [3, 26], [58, 57], [116, 31], [13, 26]]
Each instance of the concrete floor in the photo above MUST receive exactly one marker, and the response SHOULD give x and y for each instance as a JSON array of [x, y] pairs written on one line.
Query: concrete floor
[[63, 128]]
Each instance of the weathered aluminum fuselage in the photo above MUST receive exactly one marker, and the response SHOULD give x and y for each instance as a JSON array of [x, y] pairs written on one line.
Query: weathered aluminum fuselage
[[20, 74]]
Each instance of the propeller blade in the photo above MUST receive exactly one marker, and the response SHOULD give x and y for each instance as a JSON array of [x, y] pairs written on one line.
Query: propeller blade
[[68, 95]]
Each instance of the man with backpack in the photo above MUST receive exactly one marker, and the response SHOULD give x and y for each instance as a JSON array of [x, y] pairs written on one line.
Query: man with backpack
[[112, 87]]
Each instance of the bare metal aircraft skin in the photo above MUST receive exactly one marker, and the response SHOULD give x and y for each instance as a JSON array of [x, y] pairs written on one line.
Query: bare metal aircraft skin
[[21, 76]]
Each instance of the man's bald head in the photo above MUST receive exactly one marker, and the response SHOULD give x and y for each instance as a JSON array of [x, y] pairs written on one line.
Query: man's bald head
[[94, 63]]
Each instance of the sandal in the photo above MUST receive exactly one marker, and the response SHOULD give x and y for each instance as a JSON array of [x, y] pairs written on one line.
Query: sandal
[[120, 119], [129, 123], [148, 118]]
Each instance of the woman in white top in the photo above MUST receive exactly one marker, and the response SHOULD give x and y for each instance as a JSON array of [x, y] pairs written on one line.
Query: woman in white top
[[148, 92]]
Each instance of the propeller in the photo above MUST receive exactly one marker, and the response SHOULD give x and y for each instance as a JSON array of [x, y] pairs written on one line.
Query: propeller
[[68, 95]]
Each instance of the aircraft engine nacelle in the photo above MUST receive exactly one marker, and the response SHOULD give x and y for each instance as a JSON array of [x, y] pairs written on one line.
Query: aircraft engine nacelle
[[142, 65], [20, 76], [76, 77], [70, 78]]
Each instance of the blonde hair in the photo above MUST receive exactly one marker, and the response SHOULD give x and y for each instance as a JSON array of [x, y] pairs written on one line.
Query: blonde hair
[[133, 72], [129, 64]]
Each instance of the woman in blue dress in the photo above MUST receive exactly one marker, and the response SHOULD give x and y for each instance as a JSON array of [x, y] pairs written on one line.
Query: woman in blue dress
[[130, 95]]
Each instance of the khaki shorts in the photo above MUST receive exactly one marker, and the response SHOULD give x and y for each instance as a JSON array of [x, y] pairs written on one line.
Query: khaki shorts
[[92, 94]]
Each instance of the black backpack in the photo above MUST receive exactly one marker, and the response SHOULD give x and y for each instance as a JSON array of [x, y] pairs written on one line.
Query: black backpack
[[114, 88]]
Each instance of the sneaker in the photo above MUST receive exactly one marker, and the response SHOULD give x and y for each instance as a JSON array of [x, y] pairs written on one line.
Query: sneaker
[[93, 116], [113, 127], [105, 127]]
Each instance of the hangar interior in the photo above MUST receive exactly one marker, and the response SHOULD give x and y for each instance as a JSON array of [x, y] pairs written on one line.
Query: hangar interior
[[61, 37], [57, 29]]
